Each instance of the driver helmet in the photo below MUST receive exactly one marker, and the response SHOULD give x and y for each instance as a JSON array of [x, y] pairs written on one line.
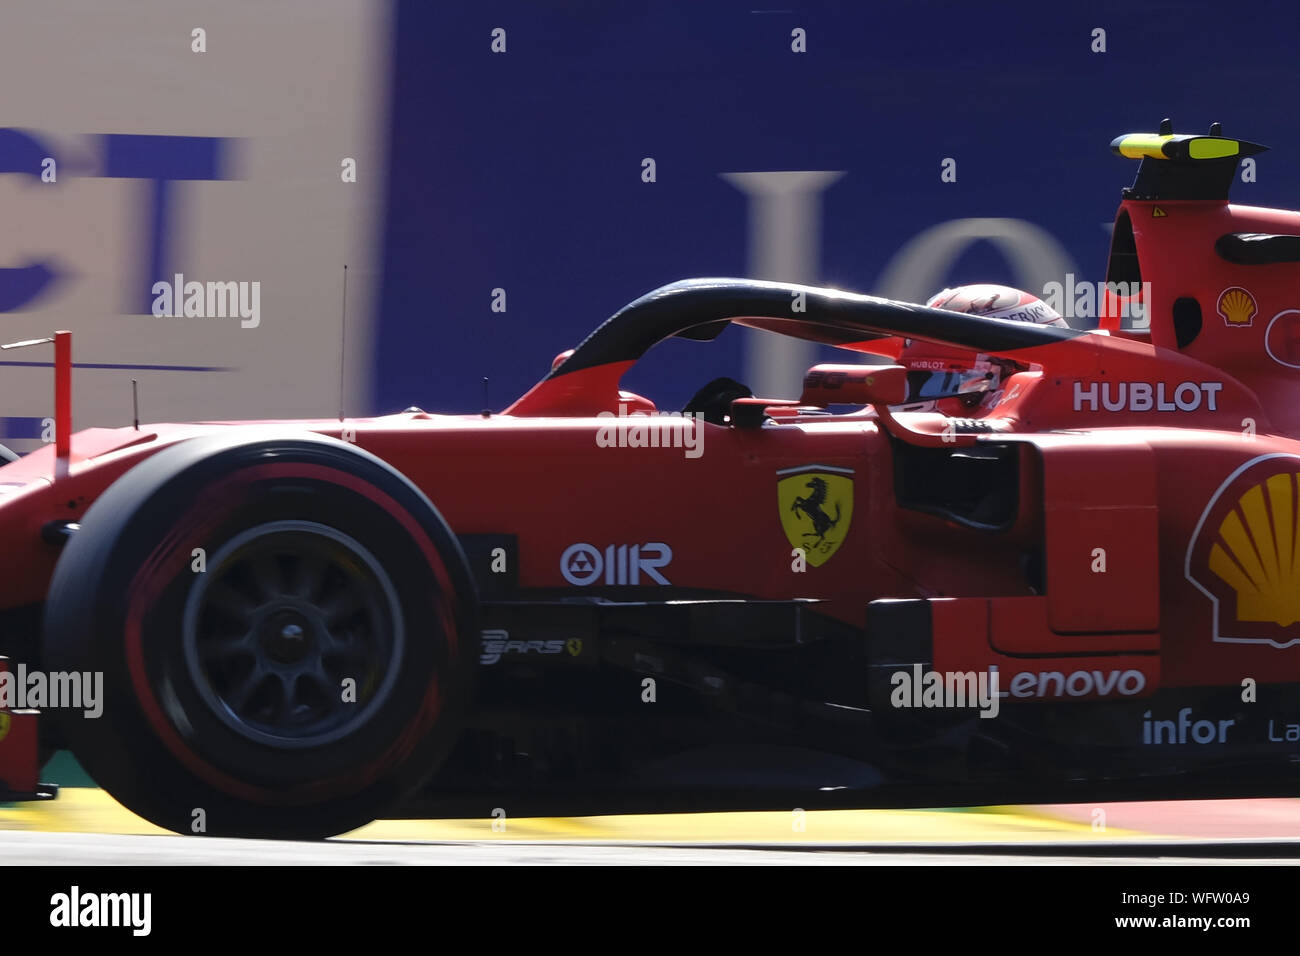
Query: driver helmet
[[950, 378]]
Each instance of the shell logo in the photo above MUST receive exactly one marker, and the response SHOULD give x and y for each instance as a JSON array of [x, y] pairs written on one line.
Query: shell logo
[[1245, 553], [1254, 552], [1237, 306]]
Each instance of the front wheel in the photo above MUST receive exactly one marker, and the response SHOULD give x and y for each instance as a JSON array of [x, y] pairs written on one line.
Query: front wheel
[[284, 630]]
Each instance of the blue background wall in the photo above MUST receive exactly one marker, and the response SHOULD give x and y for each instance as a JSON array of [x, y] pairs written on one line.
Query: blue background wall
[[522, 170]]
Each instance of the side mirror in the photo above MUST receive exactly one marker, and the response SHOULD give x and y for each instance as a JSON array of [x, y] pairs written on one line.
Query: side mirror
[[752, 412], [854, 385]]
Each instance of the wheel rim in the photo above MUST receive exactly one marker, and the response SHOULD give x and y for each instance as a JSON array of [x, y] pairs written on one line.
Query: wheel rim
[[283, 615]]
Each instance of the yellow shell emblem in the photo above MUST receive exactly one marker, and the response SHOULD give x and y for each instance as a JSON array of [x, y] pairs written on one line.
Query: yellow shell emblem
[[1255, 552], [1237, 306], [4, 725]]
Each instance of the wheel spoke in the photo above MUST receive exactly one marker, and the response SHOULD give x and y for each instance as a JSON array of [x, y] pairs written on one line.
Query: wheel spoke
[[333, 644], [266, 573], [341, 606], [240, 695], [309, 576], [318, 675], [280, 708], [230, 602], [222, 646], [320, 694]]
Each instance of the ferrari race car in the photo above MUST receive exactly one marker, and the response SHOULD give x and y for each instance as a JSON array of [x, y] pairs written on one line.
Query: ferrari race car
[[1087, 586]]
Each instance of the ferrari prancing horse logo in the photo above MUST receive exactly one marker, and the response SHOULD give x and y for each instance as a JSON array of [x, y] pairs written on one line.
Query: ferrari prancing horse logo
[[816, 505]]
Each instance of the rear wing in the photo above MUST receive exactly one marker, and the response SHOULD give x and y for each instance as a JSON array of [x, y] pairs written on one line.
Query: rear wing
[[1183, 165], [62, 395]]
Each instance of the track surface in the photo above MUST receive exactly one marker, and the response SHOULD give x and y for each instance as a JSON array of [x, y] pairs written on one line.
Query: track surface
[[86, 827], [75, 849]]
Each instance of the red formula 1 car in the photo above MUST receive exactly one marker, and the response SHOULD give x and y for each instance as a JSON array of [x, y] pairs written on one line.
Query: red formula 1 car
[[1087, 588]]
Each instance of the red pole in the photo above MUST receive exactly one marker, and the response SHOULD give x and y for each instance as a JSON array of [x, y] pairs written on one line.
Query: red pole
[[63, 395]]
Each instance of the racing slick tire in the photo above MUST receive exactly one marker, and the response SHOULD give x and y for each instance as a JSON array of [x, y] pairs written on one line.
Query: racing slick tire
[[285, 628]]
